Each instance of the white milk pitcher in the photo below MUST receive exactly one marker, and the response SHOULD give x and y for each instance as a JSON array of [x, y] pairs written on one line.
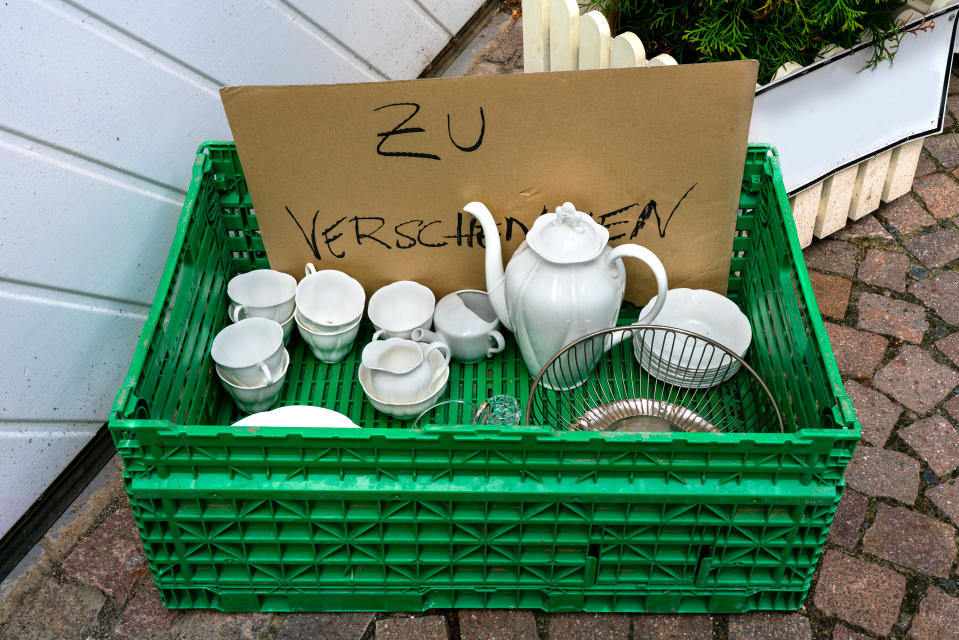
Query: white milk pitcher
[[400, 371]]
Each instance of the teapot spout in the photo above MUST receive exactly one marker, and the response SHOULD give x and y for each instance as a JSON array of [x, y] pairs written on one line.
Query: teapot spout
[[495, 277]]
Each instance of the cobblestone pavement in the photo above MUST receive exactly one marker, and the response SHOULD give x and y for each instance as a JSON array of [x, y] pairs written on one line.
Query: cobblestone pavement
[[888, 287]]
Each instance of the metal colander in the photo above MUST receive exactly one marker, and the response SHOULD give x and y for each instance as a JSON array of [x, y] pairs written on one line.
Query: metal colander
[[651, 378]]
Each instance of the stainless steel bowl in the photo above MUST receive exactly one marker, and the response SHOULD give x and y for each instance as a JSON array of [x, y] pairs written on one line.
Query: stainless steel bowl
[[642, 414]]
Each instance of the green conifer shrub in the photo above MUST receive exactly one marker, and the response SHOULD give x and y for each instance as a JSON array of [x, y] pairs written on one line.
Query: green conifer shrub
[[771, 31]]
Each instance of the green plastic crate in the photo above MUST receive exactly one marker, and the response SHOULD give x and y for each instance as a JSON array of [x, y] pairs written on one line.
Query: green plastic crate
[[386, 518]]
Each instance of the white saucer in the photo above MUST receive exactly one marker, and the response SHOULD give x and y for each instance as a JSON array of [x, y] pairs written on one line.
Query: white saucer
[[297, 416]]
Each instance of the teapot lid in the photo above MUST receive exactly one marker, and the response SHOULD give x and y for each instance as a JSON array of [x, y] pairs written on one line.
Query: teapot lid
[[567, 236]]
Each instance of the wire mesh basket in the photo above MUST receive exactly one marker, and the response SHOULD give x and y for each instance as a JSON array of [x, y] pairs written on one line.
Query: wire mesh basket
[[651, 378]]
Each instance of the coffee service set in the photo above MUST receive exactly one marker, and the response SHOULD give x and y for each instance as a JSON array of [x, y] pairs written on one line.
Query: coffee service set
[[405, 367], [564, 281]]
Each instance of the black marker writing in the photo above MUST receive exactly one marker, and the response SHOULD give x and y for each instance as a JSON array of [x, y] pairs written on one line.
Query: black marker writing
[[411, 239], [513, 222], [397, 130], [479, 140], [371, 235], [328, 239], [346, 233], [650, 208], [459, 236], [311, 239], [419, 235], [609, 225]]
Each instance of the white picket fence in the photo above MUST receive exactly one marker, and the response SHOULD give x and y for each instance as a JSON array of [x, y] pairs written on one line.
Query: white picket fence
[[557, 38]]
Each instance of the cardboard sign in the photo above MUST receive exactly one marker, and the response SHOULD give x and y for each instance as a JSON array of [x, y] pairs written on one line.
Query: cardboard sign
[[370, 178]]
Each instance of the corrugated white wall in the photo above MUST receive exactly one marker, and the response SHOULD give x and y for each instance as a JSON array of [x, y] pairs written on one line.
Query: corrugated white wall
[[102, 105]]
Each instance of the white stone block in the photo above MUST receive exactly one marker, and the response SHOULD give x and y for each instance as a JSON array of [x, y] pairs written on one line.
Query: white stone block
[[805, 207], [834, 202], [902, 170], [870, 180]]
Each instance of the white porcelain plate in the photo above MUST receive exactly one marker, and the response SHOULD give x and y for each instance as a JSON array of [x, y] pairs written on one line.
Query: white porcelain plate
[[297, 416]]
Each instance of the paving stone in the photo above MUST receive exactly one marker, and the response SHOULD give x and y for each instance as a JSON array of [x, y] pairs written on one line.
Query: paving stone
[[925, 166], [935, 249], [832, 294], [945, 148], [588, 626], [842, 632], [145, 615], [918, 273], [111, 558], [952, 104], [767, 625], [884, 269], [203, 625], [668, 626], [848, 519], [952, 407], [941, 293], [54, 611], [905, 214], [832, 255], [950, 347], [903, 320], [329, 626], [916, 380], [946, 497], [883, 473], [857, 353], [876, 413], [936, 441], [938, 332], [940, 192], [938, 617], [497, 624], [866, 227], [912, 540], [859, 592], [421, 628]]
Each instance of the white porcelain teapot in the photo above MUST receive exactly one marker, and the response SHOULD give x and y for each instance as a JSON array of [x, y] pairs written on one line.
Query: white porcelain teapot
[[562, 283]]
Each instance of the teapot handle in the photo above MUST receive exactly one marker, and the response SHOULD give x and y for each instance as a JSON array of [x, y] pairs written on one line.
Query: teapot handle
[[659, 271]]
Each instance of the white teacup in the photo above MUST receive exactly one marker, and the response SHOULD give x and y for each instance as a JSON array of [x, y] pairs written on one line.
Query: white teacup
[[400, 307], [401, 370], [328, 301], [255, 399], [250, 352], [287, 325], [262, 293], [328, 347], [465, 320]]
